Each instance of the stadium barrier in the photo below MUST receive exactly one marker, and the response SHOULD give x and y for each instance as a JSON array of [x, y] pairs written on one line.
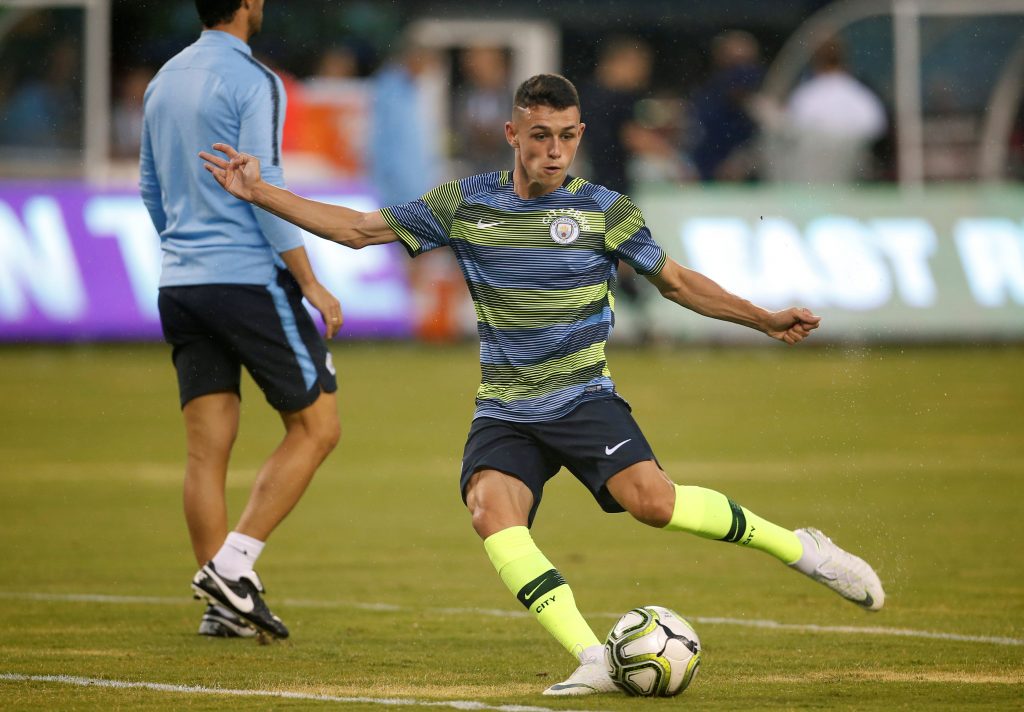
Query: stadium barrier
[[880, 264], [78, 263]]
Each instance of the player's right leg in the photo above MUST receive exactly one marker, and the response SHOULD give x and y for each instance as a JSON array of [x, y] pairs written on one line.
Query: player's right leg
[[208, 384], [211, 425], [502, 506]]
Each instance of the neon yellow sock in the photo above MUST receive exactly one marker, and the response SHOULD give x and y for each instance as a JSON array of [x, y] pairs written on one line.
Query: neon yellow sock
[[537, 584], [712, 515]]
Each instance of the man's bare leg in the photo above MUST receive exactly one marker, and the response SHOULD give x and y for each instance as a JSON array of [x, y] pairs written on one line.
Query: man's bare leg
[[310, 435], [211, 425]]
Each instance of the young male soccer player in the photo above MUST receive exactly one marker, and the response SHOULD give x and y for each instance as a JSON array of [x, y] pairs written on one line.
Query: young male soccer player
[[538, 249], [231, 291]]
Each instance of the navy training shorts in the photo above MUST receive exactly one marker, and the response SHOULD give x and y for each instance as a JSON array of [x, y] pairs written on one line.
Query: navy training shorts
[[215, 329], [595, 441]]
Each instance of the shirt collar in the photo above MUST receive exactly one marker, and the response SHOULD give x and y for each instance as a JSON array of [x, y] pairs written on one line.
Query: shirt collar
[[224, 39]]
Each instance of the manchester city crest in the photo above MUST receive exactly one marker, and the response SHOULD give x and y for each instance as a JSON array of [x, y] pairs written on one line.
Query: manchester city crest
[[564, 230]]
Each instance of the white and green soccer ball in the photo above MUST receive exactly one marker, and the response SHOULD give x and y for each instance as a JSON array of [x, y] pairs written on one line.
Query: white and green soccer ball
[[652, 652]]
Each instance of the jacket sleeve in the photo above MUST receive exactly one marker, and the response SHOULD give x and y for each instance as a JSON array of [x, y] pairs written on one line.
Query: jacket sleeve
[[149, 184]]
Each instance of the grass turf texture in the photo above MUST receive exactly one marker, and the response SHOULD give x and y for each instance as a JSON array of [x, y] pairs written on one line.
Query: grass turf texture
[[910, 457]]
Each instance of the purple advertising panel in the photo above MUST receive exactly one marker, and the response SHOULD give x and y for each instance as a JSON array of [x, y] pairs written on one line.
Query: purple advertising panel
[[79, 263]]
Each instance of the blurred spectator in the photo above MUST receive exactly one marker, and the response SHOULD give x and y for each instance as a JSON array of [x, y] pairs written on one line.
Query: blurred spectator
[[622, 140], [45, 112], [609, 101], [656, 141], [1015, 155], [482, 105], [338, 62], [404, 161], [830, 122], [722, 109], [126, 115]]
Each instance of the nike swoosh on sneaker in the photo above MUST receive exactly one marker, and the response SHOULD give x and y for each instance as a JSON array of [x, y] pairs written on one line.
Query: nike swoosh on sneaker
[[483, 226], [243, 605], [611, 450], [572, 685]]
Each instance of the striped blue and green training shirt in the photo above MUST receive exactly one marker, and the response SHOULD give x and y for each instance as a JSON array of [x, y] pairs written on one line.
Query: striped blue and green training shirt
[[540, 272]]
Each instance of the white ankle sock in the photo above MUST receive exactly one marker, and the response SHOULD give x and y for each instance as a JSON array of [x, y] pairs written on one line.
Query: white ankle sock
[[595, 653], [811, 558], [237, 556]]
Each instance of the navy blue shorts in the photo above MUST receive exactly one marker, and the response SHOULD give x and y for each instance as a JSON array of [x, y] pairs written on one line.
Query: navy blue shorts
[[216, 329], [594, 442]]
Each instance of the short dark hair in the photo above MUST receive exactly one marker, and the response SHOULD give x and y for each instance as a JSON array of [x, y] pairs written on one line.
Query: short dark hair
[[216, 12], [552, 90], [829, 55]]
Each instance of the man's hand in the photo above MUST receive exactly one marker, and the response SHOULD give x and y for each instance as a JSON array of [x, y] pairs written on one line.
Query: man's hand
[[328, 306], [239, 175], [791, 325]]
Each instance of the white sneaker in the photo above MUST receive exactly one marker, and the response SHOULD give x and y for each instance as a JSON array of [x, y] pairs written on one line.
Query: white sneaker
[[590, 678], [848, 575]]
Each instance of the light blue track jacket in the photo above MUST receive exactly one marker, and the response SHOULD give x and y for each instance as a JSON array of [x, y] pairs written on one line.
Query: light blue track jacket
[[212, 91]]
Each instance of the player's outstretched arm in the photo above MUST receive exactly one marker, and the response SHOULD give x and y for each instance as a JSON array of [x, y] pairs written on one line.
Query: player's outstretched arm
[[239, 175], [705, 296]]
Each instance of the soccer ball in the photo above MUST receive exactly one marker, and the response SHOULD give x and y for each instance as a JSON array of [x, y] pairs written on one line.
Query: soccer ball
[[652, 652]]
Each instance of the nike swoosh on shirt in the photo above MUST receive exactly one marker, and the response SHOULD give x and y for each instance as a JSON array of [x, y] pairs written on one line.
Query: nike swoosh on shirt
[[483, 226], [243, 605], [611, 450]]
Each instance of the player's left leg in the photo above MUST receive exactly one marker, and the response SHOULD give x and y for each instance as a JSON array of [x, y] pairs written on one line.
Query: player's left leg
[[647, 493], [310, 436]]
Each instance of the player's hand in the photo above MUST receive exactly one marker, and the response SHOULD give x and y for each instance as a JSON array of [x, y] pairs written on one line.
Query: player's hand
[[238, 175], [791, 325], [328, 306]]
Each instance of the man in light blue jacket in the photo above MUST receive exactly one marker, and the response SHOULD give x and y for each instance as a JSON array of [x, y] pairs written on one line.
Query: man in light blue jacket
[[231, 290]]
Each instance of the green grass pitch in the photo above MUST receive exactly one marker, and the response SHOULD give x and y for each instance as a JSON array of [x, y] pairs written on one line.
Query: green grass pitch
[[911, 457]]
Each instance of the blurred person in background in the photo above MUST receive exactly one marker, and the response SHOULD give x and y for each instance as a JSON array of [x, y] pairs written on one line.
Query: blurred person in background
[[405, 161], [539, 248], [722, 109], [126, 115], [231, 289], [481, 102], [403, 156], [828, 126], [338, 62], [1015, 154], [618, 141], [621, 80], [44, 112]]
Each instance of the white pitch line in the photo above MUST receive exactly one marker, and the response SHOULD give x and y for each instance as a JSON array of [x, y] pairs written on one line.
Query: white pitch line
[[864, 630], [503, 613], [283, 694]]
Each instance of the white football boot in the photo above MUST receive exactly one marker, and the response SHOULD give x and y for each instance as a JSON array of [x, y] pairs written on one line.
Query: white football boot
[[848, 575], [590, 678]]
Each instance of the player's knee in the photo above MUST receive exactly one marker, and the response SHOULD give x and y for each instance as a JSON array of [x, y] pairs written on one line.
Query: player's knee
[[651, 508], [206, 452], [319, 433], [486, 519], [482, 518], [327, 434]]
